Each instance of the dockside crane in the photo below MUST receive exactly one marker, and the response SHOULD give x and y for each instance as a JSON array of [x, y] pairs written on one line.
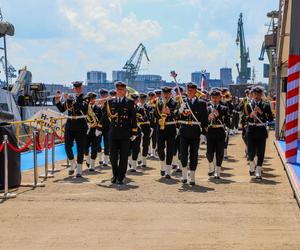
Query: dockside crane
[[11, 71], [133, 65], [269, 47], [243, 70]]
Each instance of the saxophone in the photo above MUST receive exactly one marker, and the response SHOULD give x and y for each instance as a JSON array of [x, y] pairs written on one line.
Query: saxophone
[[163, 116]]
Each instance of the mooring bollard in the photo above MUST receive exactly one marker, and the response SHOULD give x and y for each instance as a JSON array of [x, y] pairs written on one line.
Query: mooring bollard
[[46, 174], [6, 194]]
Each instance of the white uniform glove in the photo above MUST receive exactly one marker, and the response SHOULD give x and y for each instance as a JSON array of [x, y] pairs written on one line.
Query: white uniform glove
[[132, 138], [98, 133]]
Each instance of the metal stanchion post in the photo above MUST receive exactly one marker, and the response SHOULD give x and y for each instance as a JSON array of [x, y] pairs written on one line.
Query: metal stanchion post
[[6, 194], [46, 175], [35, 170], [53, 155]]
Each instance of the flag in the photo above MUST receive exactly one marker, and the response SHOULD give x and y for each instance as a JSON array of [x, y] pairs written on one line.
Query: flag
[[203, 82]]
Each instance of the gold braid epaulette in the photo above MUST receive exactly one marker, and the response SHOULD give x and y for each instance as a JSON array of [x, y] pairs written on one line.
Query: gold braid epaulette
[[110, 115], [157, 108], [246, 102]]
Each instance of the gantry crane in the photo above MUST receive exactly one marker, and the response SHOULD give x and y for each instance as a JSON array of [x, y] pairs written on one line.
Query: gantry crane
[[11, 71], [269, 47], [133, 65], [243, 70]]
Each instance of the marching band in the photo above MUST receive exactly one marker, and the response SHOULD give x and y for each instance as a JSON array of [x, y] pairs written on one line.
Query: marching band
[[126, 129]]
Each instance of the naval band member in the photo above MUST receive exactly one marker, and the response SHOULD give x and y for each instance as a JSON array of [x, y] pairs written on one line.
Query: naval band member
[[122, 129], [193, 122], [166, 112], [76, 126], [93, 135], [218, 119], [259, 114]]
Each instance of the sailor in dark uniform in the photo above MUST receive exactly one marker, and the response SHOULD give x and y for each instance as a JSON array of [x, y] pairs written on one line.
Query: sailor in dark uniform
[[152, 99], [166, 112], [135, 145], [176, 164], [123, 128], [93, 134], [242, 107], [259, 115], [227, 101], [218, 118], [112, 93], [104, 155], [145, 127], [76, 126], [193, 121]]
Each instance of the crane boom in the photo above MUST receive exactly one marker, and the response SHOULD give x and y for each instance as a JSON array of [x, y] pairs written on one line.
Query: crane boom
[[243, 69], [133, 65]]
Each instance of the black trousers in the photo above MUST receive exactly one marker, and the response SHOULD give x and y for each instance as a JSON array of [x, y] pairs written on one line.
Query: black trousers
[[226, 139], [177, 146], [92, 142], [145, 139], [257, 137], [135, 147], [166, 140], [236, 120], [119, 157], [189, 151], [154, 137], [80, 139], [105, 137], [215, 145], [245, 135]]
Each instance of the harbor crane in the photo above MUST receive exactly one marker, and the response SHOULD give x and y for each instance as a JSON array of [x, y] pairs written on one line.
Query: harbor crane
[[133, 65], [243, 70], [11, 71]]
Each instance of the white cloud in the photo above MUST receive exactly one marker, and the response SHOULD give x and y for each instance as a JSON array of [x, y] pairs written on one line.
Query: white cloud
[[102, 21]]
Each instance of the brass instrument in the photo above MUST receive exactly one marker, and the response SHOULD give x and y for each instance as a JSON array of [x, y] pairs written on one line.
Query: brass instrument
[[227, 97], [91, 117], [163, 116], [198, 93]]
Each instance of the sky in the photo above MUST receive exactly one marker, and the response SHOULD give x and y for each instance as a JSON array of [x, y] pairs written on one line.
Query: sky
[[60, 40]]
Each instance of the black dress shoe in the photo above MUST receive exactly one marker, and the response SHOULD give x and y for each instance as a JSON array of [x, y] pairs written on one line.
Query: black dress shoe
[[139, 162], [217, 177], [211, 174], [105, 165], [132, 170], [178, 170], [78, 176], [144, 166], [71, 172], [120, 182], [251, 173], [174, 166], [168, 176], [100, 162], [162, 173], [113, 180], [192, 183], [184, 181], [91, 170], [258, 178]]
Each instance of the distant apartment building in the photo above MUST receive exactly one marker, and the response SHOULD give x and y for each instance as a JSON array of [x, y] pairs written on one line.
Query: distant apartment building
[[94, 77], [196, 77], [119, 75], [144, 83], [226, 76]]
